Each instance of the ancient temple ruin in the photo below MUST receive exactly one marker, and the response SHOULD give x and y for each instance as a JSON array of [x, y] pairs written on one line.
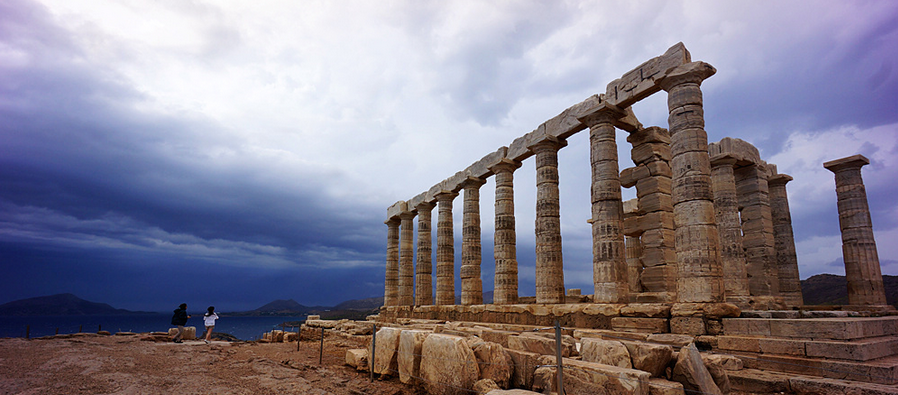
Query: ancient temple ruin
[[705, 250]]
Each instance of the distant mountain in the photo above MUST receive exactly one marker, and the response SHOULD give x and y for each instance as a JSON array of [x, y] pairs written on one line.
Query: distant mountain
[[288, 307], [61, 304], [361, 304], [831, 289]]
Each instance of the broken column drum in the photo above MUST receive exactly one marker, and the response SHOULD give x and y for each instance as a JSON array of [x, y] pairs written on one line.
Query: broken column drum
[[858, 245]]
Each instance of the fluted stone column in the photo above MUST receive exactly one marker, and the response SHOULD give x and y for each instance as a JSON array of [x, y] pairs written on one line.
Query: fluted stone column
[[858, 245], [406, 259], [391, 282], [549, 262], [471, 283], [699, 277], [424, 266], [445, 250], [609, 263], [505, 290], [786, 258], [757, 230], [729, 228]]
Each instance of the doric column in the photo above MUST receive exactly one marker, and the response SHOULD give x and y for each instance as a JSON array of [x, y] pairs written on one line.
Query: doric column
[[786, 258], [698, 262], [505, 290], [391, 282], [445, 250], [858, 245], [729, 228], [471, 284], [406, 259], [549, 263], [609, 263], [757, 230], [424, 266]]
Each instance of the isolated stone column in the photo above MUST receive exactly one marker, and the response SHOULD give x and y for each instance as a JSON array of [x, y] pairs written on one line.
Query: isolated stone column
[[471, 284], [757, 230], [609, 263], [729, 228], [505, 289], [784, 243], [858, 245], [391, 282], [424, 266], [699, 277], [445, 250], [549, 262], [406, 259]]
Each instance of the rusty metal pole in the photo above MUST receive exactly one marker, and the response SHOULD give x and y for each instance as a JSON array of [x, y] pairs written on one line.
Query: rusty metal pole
[[558, 357], [321, 348]]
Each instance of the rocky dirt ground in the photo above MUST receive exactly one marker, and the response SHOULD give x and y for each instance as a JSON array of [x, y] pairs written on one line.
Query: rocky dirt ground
[[96, 364]]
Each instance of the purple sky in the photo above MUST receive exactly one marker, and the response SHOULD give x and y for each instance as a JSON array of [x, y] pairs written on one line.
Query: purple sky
[[153, 153]]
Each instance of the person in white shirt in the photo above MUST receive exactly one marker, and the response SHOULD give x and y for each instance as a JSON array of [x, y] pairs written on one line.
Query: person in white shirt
[[209, 320]]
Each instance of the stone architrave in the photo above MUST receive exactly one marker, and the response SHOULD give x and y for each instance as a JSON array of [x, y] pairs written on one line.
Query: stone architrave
[[609, 262], [858, 245], [549, 263], [391, 282], [699, 277], [729, 228], [505, 290], [406, 259], [757, 230], [445, 249], [786, 258], [424, 266], [471, 283]]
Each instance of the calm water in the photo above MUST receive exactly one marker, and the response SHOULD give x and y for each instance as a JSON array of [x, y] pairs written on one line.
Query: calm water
[[244, 328]]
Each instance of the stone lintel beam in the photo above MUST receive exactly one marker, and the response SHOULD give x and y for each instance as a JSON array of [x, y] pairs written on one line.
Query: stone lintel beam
[[745, 153], [724, 159], [546, 141], [779, 179], [505, 163], [568, 123], [644, 80], [396, 209], [519, 149], [482, 168], [455, 182], [851, 162], [414, 202]]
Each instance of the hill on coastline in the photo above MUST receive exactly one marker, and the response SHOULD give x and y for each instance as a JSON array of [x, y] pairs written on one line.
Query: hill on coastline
[[60, 304], [831, 289]]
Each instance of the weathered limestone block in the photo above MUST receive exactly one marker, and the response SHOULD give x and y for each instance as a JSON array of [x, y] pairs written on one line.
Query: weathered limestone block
[[690, 371], [386, 358], [642, 81], [582, 378], [525, 364], [512, 392], [652, 358], [409, 359], [354, 327], [358, 359], [485, 386], [483, 167], [495, 363], [448, 365], [532, 342], [673, 339], [688, 325], [608, 352], [189, 332], [568, 122], [647, 325], [726, 362], [647, 310], [659, 386]]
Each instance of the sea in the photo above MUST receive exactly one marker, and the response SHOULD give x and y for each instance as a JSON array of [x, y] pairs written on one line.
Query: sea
[[243, 328]]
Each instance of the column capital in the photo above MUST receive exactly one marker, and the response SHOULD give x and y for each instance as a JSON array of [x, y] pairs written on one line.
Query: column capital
[[603, 113], [851, 162], [547, 143], [394, 221], [472, 182], [407, 215], [694, 72], [505, 164], [425, 206], [445, 195], [723, 160], [779, 180]]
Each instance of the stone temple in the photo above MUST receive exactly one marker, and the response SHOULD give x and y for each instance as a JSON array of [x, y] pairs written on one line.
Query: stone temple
[[704, 256]]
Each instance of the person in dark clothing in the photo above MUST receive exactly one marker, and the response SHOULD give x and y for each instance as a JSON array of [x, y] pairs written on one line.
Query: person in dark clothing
[[179, 319]]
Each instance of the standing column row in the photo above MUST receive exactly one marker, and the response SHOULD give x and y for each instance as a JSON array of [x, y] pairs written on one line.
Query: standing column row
[[729, 228], [471, 284], [549, 263], [505, 290]]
